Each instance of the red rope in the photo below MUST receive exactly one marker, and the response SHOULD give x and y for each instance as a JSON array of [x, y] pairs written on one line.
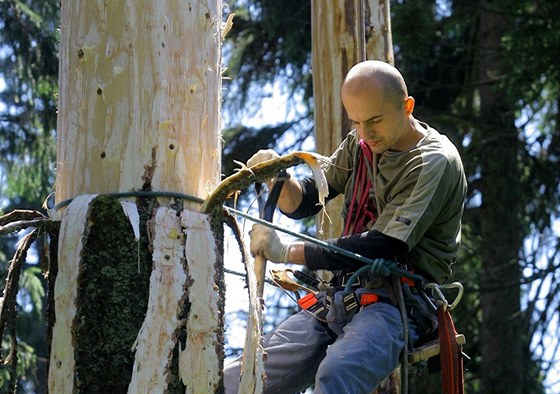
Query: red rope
[[361, 209], [452, 380]]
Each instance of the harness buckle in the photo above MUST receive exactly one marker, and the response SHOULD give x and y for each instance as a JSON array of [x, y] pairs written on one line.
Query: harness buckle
[[368, 298], [307, 301], [344, 280], [312, 305], [408, 281]]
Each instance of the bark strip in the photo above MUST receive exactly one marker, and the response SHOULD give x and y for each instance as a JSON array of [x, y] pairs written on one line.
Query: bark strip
[[252, 374], [62, 358], [156, 339], [199, 363]]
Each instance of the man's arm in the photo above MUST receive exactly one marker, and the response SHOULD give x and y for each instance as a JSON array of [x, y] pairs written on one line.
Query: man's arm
[[290, 196], [372, 244]]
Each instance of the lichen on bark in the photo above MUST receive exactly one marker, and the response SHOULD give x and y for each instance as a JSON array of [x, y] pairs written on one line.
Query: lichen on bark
[[112, 296]]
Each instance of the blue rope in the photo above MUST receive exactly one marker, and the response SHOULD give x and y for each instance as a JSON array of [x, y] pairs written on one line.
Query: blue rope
[[377, 267], [140, 193], [377, 264]]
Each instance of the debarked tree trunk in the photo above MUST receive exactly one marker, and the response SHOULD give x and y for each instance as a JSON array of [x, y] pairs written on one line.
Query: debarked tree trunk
[[137, 300], [136, 315]]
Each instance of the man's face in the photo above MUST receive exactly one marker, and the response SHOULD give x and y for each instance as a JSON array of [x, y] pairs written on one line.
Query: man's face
[[380, 122]]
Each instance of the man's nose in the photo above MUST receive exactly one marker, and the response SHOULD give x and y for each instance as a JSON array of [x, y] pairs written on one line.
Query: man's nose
[[366, 131]]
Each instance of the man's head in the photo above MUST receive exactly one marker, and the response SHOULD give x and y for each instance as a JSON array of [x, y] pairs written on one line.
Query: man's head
[[376, 99]]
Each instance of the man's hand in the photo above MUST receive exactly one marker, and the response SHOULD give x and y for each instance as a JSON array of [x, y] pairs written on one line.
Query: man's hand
[[266, 242], [262, 155]]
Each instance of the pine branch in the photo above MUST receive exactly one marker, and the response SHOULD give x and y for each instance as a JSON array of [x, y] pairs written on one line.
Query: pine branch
[[8, 305], [22, 219], [244, 178]]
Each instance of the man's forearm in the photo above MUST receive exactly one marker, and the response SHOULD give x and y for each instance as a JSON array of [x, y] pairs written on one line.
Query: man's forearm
[[290, 196], [296, 254]]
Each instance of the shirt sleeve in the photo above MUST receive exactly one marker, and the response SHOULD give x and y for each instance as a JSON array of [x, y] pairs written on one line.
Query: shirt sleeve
[[370, 244], [310, 202], [338, 170]]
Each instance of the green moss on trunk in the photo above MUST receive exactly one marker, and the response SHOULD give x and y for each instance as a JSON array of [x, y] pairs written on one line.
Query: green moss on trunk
[[112, 296], [217, 226]]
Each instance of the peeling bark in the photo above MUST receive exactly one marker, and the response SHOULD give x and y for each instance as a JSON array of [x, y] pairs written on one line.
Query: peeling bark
[[62, 360], [199, 364], [156, 339], [252, 373]]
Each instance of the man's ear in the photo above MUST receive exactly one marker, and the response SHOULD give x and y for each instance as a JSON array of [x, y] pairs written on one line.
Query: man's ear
[[409, 105]]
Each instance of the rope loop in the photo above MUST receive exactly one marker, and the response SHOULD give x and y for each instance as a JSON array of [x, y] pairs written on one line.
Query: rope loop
[[381, 267]]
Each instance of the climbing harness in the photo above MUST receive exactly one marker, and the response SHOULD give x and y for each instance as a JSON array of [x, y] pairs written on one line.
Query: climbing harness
[[448, 344]]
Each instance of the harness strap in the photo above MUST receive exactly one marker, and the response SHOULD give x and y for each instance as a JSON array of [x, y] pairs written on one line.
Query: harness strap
[[311, 304], [450, 354], [352, 302]]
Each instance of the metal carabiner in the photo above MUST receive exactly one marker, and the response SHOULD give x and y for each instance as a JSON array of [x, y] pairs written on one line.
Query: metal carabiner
[[440, 298], [460, 290], [281, 279]]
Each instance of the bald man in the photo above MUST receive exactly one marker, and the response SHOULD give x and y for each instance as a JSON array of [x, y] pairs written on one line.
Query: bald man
[[404, 189]]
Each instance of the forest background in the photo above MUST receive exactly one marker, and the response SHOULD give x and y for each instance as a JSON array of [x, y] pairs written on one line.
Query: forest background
[[483, 72]]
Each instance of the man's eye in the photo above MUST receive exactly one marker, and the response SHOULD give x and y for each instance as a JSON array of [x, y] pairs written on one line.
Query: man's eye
[[367, 123], [374, 121]]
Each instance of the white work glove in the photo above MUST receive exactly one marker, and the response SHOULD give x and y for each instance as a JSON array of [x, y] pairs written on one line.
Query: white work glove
[[259, 157], [262, 155], [266, 242]]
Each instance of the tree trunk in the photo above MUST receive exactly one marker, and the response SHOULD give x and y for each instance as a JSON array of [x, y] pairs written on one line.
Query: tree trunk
[[135, 306], [334, 51], [343, 34], [500, 218]]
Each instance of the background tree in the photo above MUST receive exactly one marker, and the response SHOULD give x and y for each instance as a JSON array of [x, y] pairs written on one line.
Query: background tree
[[499, 146], [343, 33], [473, 55]]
